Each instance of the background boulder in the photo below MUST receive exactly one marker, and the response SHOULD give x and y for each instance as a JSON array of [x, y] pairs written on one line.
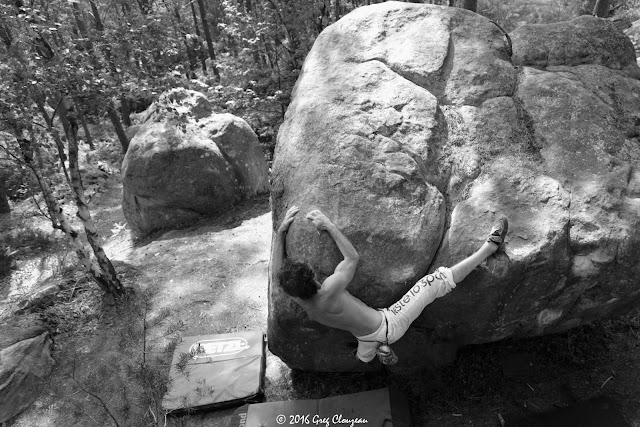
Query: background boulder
[[412, 128], [6, 259], [185, 162], [25, 363], [633, 32]]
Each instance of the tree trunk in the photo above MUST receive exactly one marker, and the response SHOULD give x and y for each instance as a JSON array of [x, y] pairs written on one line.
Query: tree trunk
[[77, 14], [56, 136], [61, 222], [87, 134], [48, 120], [6, 36], [324, 15], [4, 200], [336, 11], [471, 5], [193, 60], [601, 8], [100, 28], [96, 16], [145, 6], [201, 54], [58, 218], [189, 43], [207, 36], [117, 125], [61, 155], [29, 154], [105, 275], [290, 35], [233, 46], [125, 111]]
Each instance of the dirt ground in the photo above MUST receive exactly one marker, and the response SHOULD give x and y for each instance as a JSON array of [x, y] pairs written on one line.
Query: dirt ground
[[212, 278]]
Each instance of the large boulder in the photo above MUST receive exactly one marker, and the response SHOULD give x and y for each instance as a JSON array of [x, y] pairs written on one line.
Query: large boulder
[[6, 259], [186, 162], [412, 128], [633, 32], [25, 363], [584, 40]]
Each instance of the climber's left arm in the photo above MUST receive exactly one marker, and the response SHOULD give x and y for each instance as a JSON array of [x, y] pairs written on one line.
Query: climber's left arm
[[278, 252]]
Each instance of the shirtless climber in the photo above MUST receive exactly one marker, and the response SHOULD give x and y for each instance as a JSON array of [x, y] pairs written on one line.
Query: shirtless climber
[[332, 305]]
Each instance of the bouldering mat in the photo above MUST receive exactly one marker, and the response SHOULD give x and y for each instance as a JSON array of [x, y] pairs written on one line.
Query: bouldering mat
[[213, 371], [596, 412], [375, 408]]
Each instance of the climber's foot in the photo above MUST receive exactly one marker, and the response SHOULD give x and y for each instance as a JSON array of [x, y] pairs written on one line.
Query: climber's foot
[[499, 232]]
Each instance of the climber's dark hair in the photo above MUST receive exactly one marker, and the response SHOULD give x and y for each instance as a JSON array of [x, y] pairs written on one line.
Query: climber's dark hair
[[297, 279]]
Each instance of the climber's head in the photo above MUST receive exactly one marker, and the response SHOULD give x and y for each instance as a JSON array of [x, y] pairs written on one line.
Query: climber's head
[[298, 280]]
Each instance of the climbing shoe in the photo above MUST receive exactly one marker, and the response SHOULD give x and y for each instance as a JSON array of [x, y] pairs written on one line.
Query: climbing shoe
[[386, 355], [499, 231]]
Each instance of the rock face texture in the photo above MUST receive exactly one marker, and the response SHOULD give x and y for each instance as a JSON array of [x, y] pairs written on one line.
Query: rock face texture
[[412, 128], [185, 162], [25, 362]]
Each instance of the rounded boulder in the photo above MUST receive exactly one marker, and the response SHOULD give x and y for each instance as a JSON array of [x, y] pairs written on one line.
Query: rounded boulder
[[186, 162]]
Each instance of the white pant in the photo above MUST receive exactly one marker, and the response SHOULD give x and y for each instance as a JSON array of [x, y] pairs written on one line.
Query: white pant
[[396, 319]]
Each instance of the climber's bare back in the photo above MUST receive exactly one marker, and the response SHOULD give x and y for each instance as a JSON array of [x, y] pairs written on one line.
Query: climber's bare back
[[341, 310]]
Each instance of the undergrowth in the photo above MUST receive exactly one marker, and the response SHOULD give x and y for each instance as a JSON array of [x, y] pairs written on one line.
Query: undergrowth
[[134, 342], [29, 238]]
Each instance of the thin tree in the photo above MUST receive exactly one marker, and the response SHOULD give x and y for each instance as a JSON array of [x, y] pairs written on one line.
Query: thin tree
[[87, 133], [125, 111], [200, 51], [207, 36], [106, 276], [117, 125], [290, 42], [145, 6], [53, 131], [111, 109], [96, 16], [77, 14], [601, 9], [189, 42], [31, 157], [4, 200]]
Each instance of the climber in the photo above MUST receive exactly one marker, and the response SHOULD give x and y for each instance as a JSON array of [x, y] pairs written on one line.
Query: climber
[[332, 305]]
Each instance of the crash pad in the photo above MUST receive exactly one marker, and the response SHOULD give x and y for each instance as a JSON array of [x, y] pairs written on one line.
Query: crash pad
[[375, 408], [213, 371]]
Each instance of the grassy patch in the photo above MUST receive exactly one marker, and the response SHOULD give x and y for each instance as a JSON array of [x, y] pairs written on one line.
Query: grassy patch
[[112, 358], [29, 238]]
